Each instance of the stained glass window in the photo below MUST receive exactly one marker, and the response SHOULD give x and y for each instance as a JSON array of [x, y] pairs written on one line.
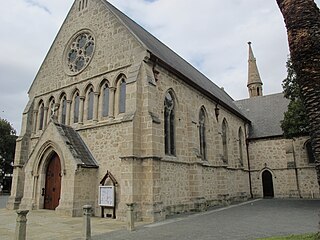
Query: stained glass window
[[105, 104], [76, 108], [169, 124], [202, 134], [41, 116], [241, 146], [80, 52], [122, 97], [225, 140], [64, 110], [90, 104]]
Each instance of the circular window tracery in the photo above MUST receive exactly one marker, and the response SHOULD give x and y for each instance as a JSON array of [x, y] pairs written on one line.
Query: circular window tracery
[[80, 52]]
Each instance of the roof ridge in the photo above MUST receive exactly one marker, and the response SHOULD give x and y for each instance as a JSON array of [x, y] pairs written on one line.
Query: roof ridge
[[175, 61]]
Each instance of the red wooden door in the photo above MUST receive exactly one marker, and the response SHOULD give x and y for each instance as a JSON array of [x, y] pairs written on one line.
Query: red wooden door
[[53, 183]]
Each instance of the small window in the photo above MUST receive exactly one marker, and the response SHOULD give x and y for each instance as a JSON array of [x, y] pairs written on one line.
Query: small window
[[41, 115], [90, 104], [225, 140], [169, 127], [64, 111], [122, 96], [52, 109], [310, 154], [105, 103], [202, 134], [240, 135], [76, 108]]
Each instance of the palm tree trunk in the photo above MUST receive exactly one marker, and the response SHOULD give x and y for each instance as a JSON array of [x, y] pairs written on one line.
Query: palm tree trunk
[[302, 19]]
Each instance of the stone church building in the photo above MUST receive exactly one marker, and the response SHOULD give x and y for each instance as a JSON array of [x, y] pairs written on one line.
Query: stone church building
[[112, 105]]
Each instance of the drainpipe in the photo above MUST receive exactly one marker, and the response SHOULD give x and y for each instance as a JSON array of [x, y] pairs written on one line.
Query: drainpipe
[[248, 158], [296, 169]]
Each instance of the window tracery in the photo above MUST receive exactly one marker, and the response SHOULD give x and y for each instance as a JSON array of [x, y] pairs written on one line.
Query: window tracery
[[225, 140], [202, 134], [80, 52], [169, 124]]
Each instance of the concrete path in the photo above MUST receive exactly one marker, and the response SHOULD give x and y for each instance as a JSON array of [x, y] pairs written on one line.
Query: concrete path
[[250, 220]]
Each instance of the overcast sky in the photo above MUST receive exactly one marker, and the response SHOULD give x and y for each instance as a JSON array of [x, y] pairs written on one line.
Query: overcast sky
[[211, 34]]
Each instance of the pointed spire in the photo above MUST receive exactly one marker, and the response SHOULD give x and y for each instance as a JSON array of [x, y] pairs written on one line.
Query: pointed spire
[[254, 81]]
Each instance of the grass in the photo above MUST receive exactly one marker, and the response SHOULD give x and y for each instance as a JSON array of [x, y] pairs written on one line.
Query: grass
[[295, 237]]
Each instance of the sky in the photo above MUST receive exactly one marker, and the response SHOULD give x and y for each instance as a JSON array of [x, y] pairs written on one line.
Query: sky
[[210, 34]]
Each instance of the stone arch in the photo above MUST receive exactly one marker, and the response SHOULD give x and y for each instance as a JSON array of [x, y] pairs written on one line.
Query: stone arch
[[225, 140], [120, 104], [173, 93], [44, 153], [267, 183], [170, 122], [89, 102], [40, 118], [62, 107], [203, 128], [39, 170], [204, 109], [104, 103], [75, 106], [269, 169], [310, 155], [49, 106]]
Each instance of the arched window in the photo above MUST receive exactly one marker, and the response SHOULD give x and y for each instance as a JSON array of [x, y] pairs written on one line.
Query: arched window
[[240, 135], [122, 96], [52, 106], [64, 110], [225, 140], [76, 105], [105, 100], [202, 133], [311, 158], [41, 115], [90, 103], [169, 127]]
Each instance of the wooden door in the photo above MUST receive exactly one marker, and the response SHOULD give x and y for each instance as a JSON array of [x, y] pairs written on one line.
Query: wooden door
[[267, 184], [53, 183]]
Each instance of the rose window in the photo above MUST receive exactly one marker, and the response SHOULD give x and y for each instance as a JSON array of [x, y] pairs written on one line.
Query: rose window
[[80, 52]]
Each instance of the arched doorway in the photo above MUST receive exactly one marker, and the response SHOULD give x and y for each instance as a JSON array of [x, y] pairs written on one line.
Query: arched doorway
[[267, 184], [53, 183]]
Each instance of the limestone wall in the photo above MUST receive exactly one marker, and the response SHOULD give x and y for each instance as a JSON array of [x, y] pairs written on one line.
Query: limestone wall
[[287, 160]]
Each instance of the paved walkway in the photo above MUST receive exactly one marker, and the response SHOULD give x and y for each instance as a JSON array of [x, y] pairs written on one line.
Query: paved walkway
[[250, 220]]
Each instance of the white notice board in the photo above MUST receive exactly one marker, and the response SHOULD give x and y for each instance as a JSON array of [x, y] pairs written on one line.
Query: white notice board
[[106, 196]]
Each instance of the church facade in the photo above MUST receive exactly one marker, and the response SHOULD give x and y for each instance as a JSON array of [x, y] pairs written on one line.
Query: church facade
[[112, 100]]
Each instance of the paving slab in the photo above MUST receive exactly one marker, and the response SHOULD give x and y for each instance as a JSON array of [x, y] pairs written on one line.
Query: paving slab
[[46, 224], [245, 221]]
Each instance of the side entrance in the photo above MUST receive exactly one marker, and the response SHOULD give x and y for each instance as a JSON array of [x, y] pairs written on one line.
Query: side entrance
[[53, 183], [267, 184]]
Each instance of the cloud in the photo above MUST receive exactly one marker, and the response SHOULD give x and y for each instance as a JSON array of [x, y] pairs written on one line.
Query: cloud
[[211, 34], [39, 5]]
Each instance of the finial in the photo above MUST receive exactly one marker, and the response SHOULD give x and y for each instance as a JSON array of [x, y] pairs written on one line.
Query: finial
[[249, 43]]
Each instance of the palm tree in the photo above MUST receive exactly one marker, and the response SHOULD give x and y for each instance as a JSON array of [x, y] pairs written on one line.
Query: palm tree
[[302, 19]]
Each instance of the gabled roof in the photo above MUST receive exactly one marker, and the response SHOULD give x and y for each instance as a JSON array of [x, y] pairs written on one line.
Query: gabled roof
[[78, 148], [168, 57], [265, 113]]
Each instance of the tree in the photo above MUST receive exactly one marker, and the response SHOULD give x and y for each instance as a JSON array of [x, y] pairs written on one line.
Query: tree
[[302, 19], [7, 148], [295, 122]]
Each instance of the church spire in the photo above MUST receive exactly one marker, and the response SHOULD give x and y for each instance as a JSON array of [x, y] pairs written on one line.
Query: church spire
[[254, 81]]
